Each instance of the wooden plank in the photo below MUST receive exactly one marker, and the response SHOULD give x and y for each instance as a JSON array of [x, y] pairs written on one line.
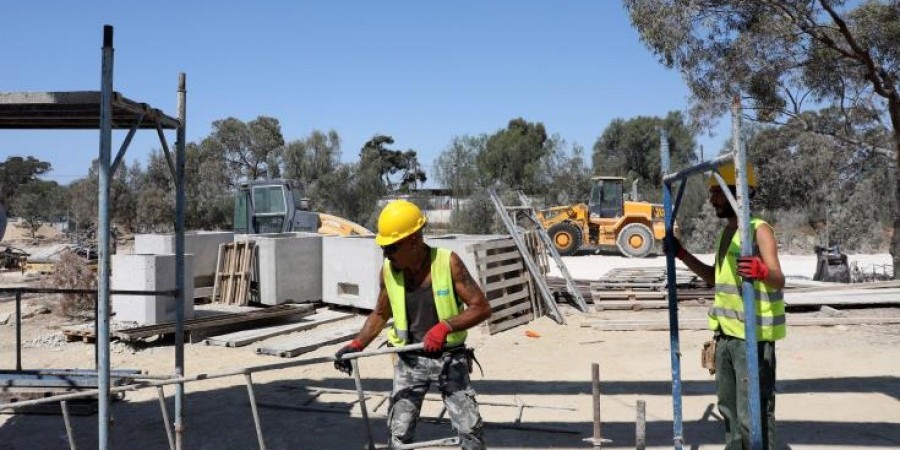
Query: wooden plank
[[512, 255], [521, 279], [511, 311], [216, 278], [642, 295], [495, 244], [503, 269], [311, 340], [215, 321], [502, 326], [508, 298], [246, 337]]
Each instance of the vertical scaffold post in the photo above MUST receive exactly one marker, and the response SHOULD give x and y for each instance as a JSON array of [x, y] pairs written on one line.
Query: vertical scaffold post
[[179, 260], [747, 292], [674, 345], [106, 91]]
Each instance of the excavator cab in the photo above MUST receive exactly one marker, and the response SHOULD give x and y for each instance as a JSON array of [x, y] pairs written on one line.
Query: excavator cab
[[272, 207]]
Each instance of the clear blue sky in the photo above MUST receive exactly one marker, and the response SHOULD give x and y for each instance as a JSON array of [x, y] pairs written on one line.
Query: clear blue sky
[[417, 70]]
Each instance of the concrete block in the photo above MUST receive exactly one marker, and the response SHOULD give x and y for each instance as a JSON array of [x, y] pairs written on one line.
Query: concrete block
[[204, 245], [350, 271], [289, 268], [149, 273]]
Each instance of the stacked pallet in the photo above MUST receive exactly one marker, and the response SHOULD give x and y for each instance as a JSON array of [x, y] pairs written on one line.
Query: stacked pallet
[[235, 268], [644, 287], [506, 282]]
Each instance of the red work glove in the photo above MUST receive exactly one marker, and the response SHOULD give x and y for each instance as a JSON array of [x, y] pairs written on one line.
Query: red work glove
[[752, 267], [436, 336]]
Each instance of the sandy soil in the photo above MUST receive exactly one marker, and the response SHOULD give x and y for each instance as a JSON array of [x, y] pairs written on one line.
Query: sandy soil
[[838, 386]]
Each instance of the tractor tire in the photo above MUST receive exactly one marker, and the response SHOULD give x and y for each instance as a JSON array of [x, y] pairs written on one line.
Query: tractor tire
[[566, 237], [635, 240]]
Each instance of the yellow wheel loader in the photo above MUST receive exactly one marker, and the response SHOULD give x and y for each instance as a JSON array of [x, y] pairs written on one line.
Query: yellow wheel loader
[[607, 220]]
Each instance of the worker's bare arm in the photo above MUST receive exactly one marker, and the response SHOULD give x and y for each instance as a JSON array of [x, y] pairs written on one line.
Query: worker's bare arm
[[768, 251], [467, 290], [378, 318], [702, 269]]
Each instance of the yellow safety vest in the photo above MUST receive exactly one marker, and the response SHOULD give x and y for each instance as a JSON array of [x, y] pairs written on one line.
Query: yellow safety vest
[[727, 312], [444, 299]]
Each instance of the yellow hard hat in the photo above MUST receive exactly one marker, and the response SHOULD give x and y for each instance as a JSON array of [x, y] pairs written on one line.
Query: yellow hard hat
[[398, 219], [727, 172]]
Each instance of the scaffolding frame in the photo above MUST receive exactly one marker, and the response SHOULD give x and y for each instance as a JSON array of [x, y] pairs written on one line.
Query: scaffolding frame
[[741, 205], [107, 110]]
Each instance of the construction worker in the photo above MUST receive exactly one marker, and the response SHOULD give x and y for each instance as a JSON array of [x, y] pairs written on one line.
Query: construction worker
[[424, 289], [726, 317]]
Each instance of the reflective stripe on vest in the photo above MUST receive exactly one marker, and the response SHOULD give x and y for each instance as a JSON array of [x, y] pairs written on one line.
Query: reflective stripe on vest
[[442, 289], [727, 312]]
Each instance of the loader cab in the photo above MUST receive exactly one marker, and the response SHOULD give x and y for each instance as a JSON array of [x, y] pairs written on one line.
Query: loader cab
[[607, 201], [272, 206]]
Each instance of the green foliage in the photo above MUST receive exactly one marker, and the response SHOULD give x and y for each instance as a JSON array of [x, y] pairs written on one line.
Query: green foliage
[[252, 150], [208, 203], [570, 176], [399, 170], [777, 54], [309, 160], [37, 202], [456, 167], [516, 156], [475, 216], [16, 171]]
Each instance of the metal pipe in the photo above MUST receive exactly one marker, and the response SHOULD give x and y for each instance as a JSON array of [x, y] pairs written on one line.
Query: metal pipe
[[180, 160], [640, 427], [674, 339], [18, 331], [64, 406], [595, 390], [165, 416], [253, 408], [125, 144], [103, 413], [705, 166], [22, 290], [445, 442], [362, 402], [384, 351], [749, 295]]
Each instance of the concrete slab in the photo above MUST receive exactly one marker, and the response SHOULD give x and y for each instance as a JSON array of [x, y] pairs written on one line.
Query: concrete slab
[[350, 271], [204, 245], [289, 268], [149, 273]]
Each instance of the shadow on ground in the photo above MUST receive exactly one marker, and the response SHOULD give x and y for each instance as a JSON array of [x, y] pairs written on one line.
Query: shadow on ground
[[221, 419]]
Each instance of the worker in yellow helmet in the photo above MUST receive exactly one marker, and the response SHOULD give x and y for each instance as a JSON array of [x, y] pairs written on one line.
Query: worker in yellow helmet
[[726, 316], [433, 300]]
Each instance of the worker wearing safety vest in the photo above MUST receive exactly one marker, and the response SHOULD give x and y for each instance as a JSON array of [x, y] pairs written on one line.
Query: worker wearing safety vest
[[726, 316], [424, 289]]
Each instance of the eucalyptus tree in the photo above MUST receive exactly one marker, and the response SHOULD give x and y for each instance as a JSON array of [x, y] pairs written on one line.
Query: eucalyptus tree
[[784, 57]]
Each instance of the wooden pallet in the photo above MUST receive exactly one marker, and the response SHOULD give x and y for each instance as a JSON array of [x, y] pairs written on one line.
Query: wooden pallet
[[507, 284], [79, 334], [234, 278]]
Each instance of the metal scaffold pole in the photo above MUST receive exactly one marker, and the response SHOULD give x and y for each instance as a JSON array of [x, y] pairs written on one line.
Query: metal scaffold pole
[[179, 259], [748, 294], [674, 339], [106, 91]]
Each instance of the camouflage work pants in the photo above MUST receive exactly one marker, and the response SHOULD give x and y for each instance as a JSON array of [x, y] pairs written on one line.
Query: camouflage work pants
[[413, 375]]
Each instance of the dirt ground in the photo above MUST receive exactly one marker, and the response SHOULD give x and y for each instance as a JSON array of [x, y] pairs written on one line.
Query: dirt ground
[[838, 386]]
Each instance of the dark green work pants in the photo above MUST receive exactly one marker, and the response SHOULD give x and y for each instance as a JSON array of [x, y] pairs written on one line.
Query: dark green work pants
[[732, 385]]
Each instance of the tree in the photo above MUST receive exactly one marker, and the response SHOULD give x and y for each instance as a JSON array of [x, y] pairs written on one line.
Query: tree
[[516, 156], [570, 177], [389, 163], [16, 171], [308, 161], [252, 150], [38, 202], [780, 54], [209, 203], [456, 168]]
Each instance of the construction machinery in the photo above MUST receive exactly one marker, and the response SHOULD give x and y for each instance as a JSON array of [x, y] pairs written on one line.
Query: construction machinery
[[277, 206], [607, 220]]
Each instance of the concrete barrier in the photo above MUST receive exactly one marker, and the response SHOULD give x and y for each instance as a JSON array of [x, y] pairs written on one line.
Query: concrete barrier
[[149, 273], [350, 271], [204, 245], [289, 268]]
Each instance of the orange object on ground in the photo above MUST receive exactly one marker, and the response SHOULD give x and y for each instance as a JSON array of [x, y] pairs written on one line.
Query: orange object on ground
[[533, 334]]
